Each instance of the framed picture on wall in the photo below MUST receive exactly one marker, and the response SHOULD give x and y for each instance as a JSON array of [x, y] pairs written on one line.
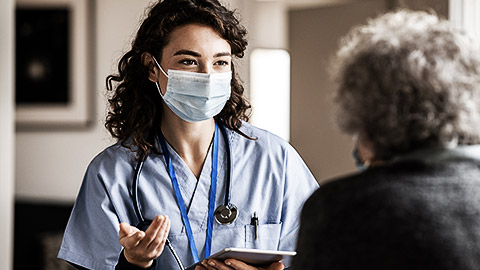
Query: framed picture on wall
[[52, 81]]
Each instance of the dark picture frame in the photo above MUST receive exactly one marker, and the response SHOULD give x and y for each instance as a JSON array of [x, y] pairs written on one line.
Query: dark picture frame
[[52, 73]]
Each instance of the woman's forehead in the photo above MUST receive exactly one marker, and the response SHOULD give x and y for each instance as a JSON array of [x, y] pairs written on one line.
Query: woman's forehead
[[202, 39]]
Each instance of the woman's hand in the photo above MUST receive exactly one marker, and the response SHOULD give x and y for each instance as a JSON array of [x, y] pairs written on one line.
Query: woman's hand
[[230, 264], [141, 248]]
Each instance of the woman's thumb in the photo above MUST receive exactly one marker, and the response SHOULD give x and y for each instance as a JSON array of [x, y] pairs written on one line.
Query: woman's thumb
[[125, 229]]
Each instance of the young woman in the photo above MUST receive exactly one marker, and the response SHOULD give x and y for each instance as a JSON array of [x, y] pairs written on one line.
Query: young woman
[[187, 171]]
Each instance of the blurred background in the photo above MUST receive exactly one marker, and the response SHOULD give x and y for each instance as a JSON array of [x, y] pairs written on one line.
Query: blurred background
[[53, 104]]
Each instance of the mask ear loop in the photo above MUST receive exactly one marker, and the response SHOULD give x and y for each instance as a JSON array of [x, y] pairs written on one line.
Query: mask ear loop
[[161, 69], [164, 73]]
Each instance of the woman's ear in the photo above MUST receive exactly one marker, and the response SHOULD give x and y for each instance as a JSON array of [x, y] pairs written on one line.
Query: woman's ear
[[149, 63]]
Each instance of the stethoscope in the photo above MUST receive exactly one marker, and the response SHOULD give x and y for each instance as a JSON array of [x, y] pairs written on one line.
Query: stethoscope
[[225, 213]]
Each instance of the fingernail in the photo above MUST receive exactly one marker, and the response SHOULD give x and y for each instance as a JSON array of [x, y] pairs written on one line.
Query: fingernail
[[211, 263], [228, 263]]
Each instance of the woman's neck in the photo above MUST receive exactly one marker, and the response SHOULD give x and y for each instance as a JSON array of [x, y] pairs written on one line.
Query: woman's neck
[[191, 140]]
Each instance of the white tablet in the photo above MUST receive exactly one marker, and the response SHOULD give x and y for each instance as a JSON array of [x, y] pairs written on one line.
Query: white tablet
[[251, 256]]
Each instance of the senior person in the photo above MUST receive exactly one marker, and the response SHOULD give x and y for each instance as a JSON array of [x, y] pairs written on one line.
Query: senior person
[[409, 93]]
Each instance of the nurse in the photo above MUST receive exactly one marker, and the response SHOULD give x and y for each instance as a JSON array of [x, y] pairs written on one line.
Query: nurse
[[187, 171]]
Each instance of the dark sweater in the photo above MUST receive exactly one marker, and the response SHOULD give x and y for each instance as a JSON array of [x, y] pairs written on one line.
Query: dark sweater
[[407, 215]]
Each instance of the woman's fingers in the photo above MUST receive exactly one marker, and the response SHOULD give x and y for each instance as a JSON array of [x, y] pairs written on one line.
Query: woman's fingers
[[200, 267], [152, 244], [152, 230], [142, 247], [129, 236], [158, 243], [230, 264], [124, 230], [239, 265], [212, 264], [276, 266]]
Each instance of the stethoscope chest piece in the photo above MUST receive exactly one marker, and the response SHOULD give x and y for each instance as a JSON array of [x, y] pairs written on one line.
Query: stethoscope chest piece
[[226, 214]]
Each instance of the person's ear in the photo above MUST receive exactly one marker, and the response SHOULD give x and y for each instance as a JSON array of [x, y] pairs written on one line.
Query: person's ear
[[149, 63]]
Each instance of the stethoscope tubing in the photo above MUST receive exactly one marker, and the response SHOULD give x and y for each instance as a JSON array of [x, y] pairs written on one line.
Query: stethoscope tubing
[[230, 164], [138, 169], [140, 216]]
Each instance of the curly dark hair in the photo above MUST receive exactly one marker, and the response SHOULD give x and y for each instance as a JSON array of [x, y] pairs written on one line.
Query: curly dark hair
[[135, 114]]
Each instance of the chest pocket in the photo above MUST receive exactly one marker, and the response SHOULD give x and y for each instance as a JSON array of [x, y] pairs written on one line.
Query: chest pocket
[[268, 236], [243, 236]]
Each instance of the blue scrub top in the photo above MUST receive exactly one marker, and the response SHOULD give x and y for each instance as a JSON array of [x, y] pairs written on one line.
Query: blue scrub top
[[269, 177]]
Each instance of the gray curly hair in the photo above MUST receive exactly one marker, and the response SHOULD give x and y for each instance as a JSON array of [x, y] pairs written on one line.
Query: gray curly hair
[[407, 80]]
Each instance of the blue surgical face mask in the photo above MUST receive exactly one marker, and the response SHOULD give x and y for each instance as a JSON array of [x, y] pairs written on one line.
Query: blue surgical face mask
[[358, 160], [196, 96]]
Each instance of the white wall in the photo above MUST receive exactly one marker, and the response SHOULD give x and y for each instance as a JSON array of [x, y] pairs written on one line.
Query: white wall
[[313, 37], [6, 133]]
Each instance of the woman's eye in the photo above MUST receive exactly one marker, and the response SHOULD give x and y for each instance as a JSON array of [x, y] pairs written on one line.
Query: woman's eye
[[188, 62], [222, 63]]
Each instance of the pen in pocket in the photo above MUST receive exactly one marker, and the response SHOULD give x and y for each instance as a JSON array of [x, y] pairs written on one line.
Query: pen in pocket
[[254, 222]]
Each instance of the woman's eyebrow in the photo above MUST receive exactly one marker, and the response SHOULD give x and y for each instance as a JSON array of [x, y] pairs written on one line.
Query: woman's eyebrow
[[196, 54], [187, 52], [222, 54]]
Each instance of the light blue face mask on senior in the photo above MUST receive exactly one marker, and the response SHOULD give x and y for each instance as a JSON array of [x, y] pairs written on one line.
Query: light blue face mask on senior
[[195, 96], [358, 160]]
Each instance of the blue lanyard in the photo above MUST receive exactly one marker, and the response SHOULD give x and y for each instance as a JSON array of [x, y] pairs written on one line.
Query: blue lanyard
[[181, 203]]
